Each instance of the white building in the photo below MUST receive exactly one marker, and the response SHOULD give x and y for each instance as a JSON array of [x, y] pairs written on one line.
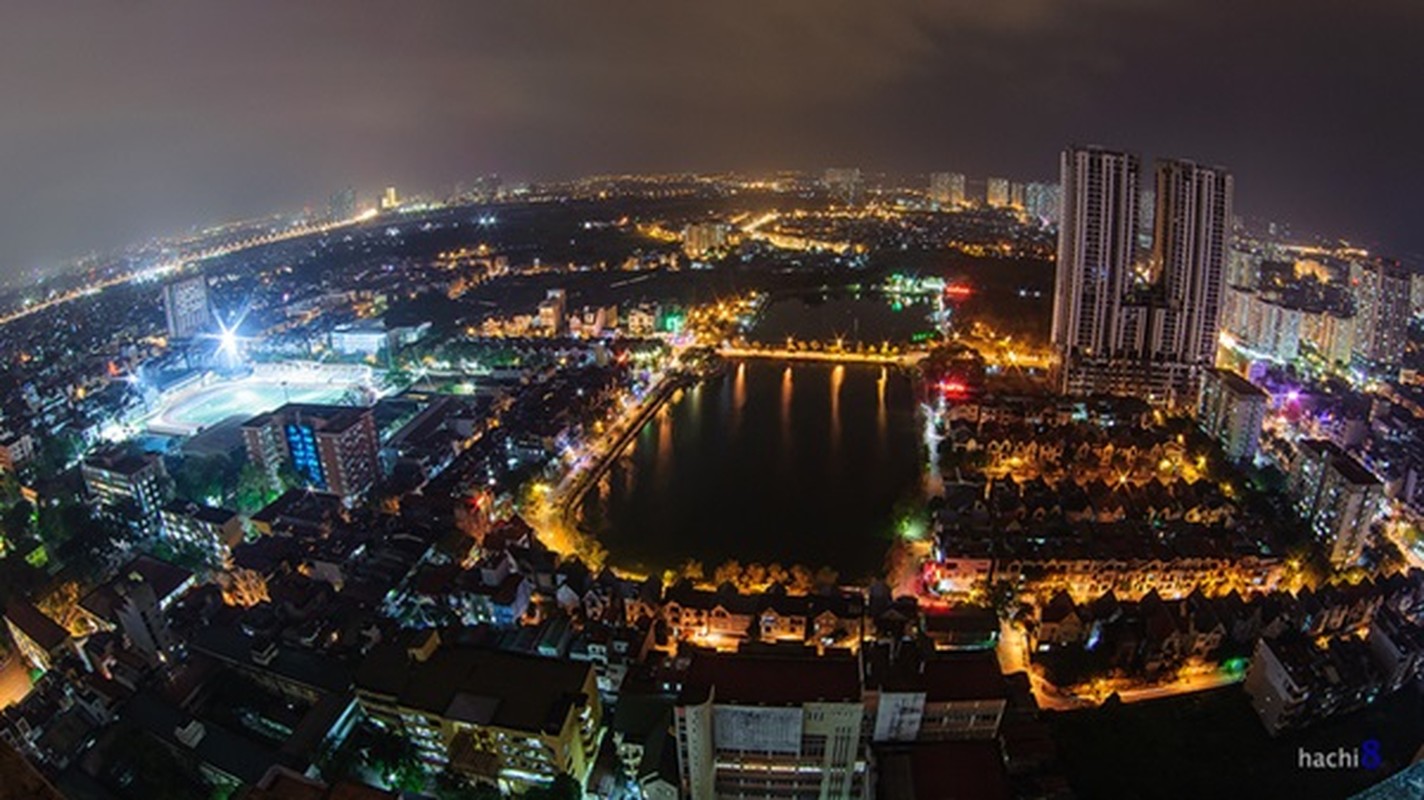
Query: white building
[[363, 339], [186, 308], [1190, 238], [1232, 411], [1098, 335], [1339, 497], [761, 726]]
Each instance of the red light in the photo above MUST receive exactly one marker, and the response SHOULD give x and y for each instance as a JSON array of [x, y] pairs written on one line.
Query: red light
[[958, 290], [953, 388]]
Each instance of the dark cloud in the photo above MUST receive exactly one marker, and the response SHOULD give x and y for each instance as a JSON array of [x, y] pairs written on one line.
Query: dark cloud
[[123, 119]]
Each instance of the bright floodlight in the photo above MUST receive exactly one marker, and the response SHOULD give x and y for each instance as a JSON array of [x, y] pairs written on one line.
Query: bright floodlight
[[227, 342]]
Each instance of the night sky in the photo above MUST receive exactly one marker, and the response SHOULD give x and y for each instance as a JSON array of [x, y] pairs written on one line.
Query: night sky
[[121, 119]]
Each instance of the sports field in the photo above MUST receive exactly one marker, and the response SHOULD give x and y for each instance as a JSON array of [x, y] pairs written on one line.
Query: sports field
[[194, 409]]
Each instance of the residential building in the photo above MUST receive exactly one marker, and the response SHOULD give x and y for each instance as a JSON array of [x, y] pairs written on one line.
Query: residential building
[[1190, 239], [706, 238], [1331, 334], [1016, 196], [131, 487], [511, 720], [1096, 329], [1293, 680], [947, 189], [1398, 647], [996, 193], [141, 619], [1261, 325], [1382, 299], [333, 448], [1338, 496], [1043, 202], [914, 695], [769, 726], [1232, 410], [214, 530], [167, 581], [16, 450]]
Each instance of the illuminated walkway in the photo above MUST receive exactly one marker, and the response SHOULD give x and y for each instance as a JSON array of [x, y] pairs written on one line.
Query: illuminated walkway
[[907, 358]]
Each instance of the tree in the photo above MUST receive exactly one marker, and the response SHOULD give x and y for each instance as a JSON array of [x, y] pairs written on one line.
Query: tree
[[55, 523], [205, 479], [395, 759], [18, 578], [754, 576], [62, 605], [253, 488], [19, 520], [801, 579], [256, 487], [729, 572], [9, 487], [775, 573], [693, 570], [93, 540], [244, 588], [56, 453], [189, 555]]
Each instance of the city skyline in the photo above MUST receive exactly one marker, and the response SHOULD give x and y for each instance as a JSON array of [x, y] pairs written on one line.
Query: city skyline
[[648, 401], [149, 129]]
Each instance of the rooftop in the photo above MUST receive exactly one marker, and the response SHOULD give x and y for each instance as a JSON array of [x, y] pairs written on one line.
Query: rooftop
[[1238, 385], [478, 685], [33, 623], [165, 578], [770, 680], [327, 417]]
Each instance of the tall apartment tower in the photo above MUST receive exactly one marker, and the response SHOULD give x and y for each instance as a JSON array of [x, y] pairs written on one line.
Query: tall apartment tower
[[1382, 302], [1095, 330], [947, 189], [186, 308], [996, 193], [1190, 240]]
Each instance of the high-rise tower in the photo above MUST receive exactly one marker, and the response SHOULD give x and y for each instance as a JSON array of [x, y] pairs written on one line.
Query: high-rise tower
[[1382, 301], [1122, 325], [1095, 330], [1189, 250], [186, 308]]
